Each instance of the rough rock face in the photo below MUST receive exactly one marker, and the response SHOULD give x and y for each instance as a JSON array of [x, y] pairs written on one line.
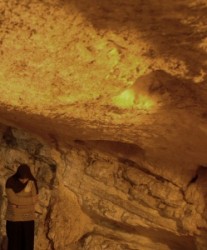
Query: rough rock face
[[93, 199], [106, 100]]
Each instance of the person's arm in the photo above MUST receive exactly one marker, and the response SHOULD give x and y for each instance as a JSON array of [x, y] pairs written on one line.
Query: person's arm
[[15, 199]]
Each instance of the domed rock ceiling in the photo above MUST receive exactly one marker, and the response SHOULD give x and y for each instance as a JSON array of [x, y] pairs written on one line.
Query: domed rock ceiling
[[106, 101]]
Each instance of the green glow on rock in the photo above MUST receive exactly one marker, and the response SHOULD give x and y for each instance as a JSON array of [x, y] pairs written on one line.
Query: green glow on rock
[[125, 99], [128, 99]]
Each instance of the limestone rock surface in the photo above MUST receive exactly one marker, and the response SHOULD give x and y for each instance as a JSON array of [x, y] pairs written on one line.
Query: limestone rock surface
[[107, 101]]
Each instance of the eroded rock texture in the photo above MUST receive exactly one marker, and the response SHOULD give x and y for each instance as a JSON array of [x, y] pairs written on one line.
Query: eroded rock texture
[[106, 100], [91, 199]]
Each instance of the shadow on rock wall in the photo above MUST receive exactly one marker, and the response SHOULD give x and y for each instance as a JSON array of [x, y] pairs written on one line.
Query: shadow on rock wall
[[172, 28], [196, 193]]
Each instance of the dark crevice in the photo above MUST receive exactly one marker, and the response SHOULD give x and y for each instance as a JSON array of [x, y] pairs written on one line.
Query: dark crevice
[[9, 138], [83, 239], [53, 169], [193, 180], [47, 226], [133, 164], [199, 171]]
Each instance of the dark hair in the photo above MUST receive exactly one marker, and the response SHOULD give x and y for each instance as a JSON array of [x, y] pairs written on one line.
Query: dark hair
[[24, 171]]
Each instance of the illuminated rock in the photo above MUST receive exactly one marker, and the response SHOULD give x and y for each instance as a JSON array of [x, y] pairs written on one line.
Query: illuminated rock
[[112, 98]]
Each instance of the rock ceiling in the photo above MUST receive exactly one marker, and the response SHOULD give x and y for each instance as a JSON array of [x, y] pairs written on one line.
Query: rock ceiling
[[133, 72], [128, 77]]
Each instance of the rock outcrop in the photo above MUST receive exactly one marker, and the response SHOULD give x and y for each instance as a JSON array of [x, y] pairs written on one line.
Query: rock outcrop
[[93, 196]]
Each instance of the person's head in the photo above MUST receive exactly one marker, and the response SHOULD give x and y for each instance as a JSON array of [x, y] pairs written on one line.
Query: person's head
[[23, 173], [18, 181]]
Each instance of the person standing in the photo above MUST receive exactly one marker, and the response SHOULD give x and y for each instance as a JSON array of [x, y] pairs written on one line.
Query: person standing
[[22, 193]]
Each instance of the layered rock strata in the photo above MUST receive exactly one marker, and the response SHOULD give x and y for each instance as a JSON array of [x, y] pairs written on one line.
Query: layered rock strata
[[93, 199]]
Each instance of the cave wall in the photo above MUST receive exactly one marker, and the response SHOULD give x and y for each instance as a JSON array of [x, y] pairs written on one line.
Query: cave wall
[[66, 66], [106, 100], [93, 197]]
